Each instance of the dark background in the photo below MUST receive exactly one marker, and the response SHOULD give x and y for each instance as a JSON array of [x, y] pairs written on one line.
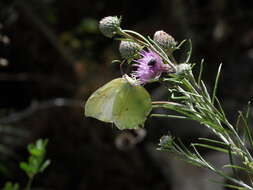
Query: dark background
[[57, 57]]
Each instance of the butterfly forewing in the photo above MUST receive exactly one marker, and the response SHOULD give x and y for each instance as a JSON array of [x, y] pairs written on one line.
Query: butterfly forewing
[[100, 104]]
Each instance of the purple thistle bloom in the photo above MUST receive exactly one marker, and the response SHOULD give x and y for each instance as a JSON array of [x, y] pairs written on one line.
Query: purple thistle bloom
[[149, 67]]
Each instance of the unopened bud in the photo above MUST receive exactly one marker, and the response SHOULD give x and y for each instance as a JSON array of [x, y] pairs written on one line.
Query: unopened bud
[[108, 25], [128, 49], [164, 40], [166, 142], [182, 68]]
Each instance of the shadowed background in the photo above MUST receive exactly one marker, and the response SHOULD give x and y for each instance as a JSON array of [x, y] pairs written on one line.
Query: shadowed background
[[53, 57]]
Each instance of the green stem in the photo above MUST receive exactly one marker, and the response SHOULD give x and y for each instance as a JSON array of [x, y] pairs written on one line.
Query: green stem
[[126, 35], [29, 183]]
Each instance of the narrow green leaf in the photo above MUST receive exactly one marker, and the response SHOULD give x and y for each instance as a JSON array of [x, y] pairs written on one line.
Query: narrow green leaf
[[180, 44], [213, 141], [168, 116], [238, 122], [205, 163], [220, 107], [200, 71], [228, 185], [232, 161], [211, 147], [248, 112], [173, 97], [189, 86], [189, 53], [192, 94], [216, 83], [247, 130], [212, 125], [173, 80], [116, 61], [204, 89], [184, 149], [237, 167]]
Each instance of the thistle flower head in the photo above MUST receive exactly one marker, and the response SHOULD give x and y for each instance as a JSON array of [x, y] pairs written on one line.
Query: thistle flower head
[[108, 25], [149, 67], [164, 40], [128, 49]]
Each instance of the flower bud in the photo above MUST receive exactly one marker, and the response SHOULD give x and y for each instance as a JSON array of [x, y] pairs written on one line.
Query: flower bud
[[182, 68], [128, 49], [164, 40], [108, 25], [166, 141]]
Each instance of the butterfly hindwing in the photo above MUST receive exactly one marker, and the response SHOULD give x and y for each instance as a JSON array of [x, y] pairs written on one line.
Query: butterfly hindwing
[[131, 107]]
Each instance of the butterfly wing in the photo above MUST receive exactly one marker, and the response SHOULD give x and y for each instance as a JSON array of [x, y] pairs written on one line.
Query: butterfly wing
[[100, 103], [131, 106]]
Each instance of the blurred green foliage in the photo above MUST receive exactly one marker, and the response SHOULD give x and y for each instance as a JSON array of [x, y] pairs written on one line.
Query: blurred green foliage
[[36, 164]]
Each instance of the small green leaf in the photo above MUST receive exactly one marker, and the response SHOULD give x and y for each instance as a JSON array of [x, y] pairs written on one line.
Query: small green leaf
[[36, 152], [11, 186], [45, 165], [27, 168]]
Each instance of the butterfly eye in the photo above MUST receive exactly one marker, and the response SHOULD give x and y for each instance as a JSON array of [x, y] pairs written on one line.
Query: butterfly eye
[[152, 62]]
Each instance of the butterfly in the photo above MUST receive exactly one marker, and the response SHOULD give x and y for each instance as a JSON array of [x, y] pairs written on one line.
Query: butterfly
[[121, 102]]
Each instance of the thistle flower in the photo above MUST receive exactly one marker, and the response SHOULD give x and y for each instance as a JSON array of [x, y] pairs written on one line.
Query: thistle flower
[[149, 67], [108, 25], [128, 49], [164, 40]]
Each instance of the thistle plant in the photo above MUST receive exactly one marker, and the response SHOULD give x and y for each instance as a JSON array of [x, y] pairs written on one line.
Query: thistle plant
[[125, 102]]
